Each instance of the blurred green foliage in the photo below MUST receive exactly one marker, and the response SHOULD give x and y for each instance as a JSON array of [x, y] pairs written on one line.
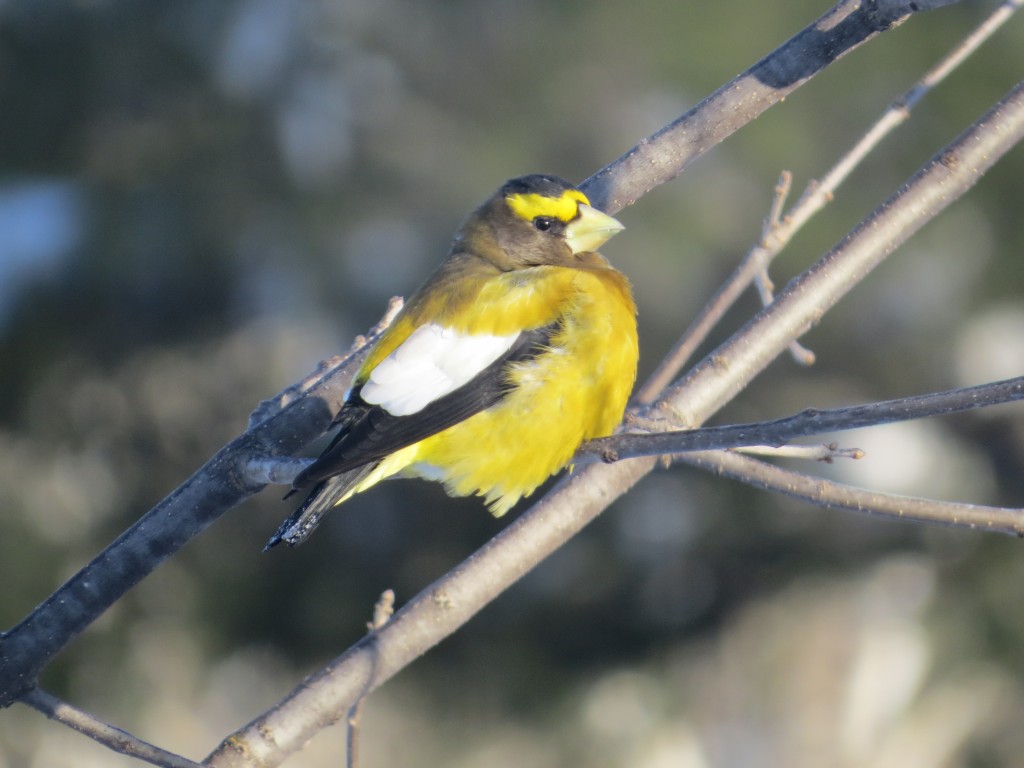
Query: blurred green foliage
[[201, 199]]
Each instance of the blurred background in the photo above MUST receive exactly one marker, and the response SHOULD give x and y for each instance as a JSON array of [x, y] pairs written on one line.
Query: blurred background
[[201, 199]]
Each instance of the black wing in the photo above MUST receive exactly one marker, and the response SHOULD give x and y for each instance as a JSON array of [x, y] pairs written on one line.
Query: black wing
[[373, 433], [369, 433]]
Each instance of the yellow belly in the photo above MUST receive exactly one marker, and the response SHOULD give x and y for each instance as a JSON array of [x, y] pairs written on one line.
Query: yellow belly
[[575, 391]]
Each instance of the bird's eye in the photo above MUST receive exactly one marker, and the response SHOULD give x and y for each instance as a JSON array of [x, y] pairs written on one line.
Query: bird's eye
[[543, 223]]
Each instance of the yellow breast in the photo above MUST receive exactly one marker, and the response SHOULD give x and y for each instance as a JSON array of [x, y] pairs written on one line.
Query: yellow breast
[[574, 391]]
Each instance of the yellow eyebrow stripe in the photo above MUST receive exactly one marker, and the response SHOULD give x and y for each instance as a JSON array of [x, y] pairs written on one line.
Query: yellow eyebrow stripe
[[529, 206]]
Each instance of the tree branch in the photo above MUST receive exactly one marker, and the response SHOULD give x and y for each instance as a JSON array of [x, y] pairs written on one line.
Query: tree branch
[[825, 493], [808, 422], [113, 738]]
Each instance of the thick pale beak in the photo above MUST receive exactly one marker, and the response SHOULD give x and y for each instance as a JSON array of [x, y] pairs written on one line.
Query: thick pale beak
[[591, 229]]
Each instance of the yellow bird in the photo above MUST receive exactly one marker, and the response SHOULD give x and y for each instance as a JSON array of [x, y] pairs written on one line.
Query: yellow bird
[[518, 348]]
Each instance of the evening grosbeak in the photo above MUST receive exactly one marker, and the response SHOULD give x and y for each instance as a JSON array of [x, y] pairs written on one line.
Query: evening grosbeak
[[518, 348]]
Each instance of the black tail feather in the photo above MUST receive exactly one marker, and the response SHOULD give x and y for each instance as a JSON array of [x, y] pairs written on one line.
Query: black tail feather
[[324, 496]]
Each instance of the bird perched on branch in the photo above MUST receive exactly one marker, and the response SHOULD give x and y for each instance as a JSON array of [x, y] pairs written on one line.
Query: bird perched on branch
[[518, 348]]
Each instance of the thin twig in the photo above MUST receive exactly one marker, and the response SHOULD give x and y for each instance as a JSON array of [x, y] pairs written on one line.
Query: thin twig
[[762, 280], [113, 738], [808, 422], [382, 613], [781, 228], [825, 493], [968, 46]]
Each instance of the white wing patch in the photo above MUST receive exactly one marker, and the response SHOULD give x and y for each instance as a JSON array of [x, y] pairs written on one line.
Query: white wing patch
[[429, 364]]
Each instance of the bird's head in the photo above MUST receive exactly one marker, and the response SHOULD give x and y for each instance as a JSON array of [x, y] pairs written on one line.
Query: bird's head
[[535, 220]]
